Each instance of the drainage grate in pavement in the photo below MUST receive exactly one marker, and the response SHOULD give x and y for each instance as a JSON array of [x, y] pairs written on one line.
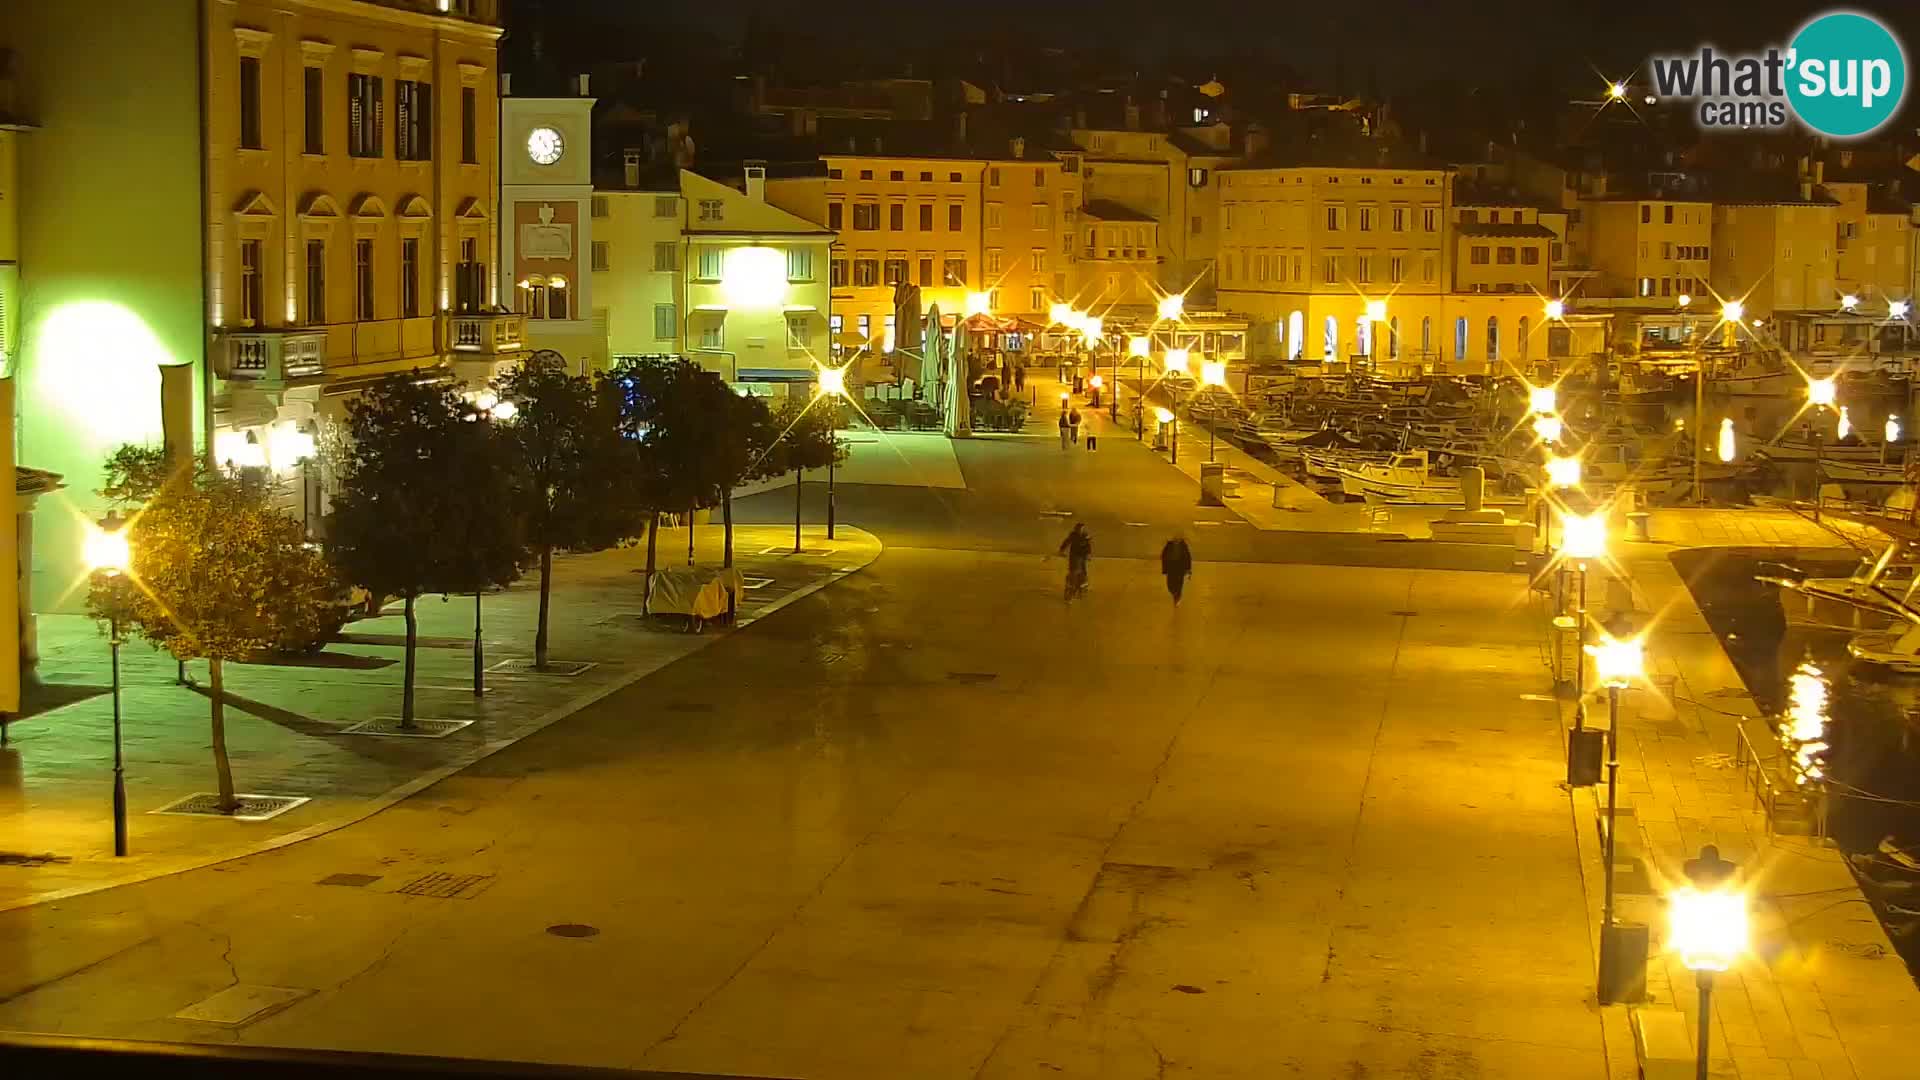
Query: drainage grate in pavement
[[240, 1004], [444, 886], [790, 551], [971, 678], [690, 706], [755, 583], [1409, 614], [21, 858], [524, 666], [423, 728], [252, 807], [573, 930], [351, 881]]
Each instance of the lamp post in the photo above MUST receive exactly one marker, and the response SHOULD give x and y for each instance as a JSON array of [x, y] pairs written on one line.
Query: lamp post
[[1820, 395], [1137, 347], [1166, 417], [1616, 663], [1582, 538], [491, 407], [1176, 364], [109, 553], [1213, 375], [1708, 927], [832, 382]]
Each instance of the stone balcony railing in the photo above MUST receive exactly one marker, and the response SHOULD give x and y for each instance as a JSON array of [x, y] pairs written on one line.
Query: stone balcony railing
[[271, 355], [486, 333]]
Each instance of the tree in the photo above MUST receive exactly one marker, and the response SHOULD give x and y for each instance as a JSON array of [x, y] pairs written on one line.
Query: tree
[[215, 573], [571, 491], [803, 438], [669, 416], [424, 502]]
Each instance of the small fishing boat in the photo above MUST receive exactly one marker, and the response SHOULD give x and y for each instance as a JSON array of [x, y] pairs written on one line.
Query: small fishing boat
[[1869, 599], [1896, 649], [1797, 448], [1862, 472], [1326, 463], [1407, 479]]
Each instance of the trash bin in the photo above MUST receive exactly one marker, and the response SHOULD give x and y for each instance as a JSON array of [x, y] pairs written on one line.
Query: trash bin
[[1586, 747], [1213, 481]]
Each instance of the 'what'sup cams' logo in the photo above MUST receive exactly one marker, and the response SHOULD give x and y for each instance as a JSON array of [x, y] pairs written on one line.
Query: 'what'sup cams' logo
[[1844, 75]]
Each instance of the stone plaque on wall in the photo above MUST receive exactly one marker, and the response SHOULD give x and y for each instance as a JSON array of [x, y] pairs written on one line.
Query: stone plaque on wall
[[546, 240]]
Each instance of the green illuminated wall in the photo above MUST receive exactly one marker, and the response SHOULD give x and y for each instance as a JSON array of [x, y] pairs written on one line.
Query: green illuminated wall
[[110, 245]]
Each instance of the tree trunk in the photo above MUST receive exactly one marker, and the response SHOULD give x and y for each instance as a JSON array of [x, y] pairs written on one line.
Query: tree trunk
[[406, 678], [726, 515], [653, 537], [546, 593], [222, 767], [799, 479], [691, 510]]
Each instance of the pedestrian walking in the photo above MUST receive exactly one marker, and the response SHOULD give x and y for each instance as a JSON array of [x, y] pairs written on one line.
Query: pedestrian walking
[[1020, 378], [1176, 561], [1063, 429], [1073, 423]]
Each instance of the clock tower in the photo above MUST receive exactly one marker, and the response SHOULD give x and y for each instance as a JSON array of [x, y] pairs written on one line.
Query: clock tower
[[546, 221]]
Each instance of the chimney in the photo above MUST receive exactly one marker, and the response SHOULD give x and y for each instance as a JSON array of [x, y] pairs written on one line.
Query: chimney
[[1133, 116], [630, 167], [757, 181], [1256, 141], [506, 84], [580, 86], [1017, 147], [1080, 119], [960, 130], [1819, 173]]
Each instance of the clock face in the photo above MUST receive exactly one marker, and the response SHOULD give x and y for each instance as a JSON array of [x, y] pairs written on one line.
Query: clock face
[[544, 145]]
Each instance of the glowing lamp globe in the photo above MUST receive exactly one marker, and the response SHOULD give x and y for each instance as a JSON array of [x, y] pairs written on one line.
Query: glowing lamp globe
[[1213, 373], [1845, 427], [1563, 472], [1897, 309], [979, 303], [1821, 392], [1583, 536], [1163, 416], [505, 410], [1096, 381], [1556, 309], [1172, 306], [1541, 399], [833, 381], [1683, 300], [1176, 361], [1618, 662], [108, 550], [1058, 313], [1893, 429], [1548, 428], [1708, 928], [1376, 311], [1849, 302], [1732, 311], [1138, 346]]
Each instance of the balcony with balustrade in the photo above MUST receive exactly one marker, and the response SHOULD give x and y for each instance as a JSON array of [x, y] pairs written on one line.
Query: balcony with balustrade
[[476, 334], [271, 358]]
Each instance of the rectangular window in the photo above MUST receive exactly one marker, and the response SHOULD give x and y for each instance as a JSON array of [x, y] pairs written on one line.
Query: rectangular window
[[314, 105], [894, 271], [599, 255], [1429, 218], [1669, 215], [866, 174], [926, 217], [837, 273], [896, 175], [1333, 219], [799, 331], [993, 260], [250, 103], [713, 210], [1505, 256], [1036, 299], [1039, 260], [925, 277], [410, 277], [799, 264], [597, 206], [836, 216], [1666, 250], [1646, 214], [713, 336], [1365, 266], [897, 216], [926, 177], [469, 278], [663, 255], [1399, 219], [993, 177], [1530, 256], [251, 293], [866, 216], [712, 264], [866, 272], [993, 215], [954, 271], [1479, 255], [413, 121], [866, 328], [1196, 227], [1559, 252], [1396, 269], [665, 206], [1042, 215], [1330, 270], [363, 280], [364, 116], [1039, 177], [1427, 263], [953, 178], [469, 126], [953, 217], [1366, 219], [666, 324]]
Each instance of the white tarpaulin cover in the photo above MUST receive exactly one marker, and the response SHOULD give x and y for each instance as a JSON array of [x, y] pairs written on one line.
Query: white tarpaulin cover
[[700, 591]]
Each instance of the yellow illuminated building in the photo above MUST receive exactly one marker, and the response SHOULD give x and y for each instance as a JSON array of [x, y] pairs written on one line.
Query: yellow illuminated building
[[1651, 250], [1776, 255], [1873, 246]]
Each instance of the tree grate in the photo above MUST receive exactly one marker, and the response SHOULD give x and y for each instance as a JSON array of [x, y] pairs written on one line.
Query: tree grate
[[790, 551], [351, 881], [565, 669], [21, 858], [971, 678], [573, 930], [422, 728], [442, 886], [251, 808]]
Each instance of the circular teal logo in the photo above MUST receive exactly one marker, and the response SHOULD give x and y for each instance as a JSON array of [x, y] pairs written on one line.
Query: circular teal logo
[[1846, 74]]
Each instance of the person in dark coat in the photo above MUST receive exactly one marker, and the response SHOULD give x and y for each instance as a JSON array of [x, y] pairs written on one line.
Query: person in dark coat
[[1073, 424], [1176, 561]]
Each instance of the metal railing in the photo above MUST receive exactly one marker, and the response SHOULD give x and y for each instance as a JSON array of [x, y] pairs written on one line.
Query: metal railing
[[27, 1055], [1778, 801]]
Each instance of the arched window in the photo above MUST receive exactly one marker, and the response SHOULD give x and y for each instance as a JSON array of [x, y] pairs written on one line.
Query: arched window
[[1460, 338], [1330, 340], [1393, 338], [1426, 335], [1523, 339], [1296, 335], [1362, 337], [1493, 338]]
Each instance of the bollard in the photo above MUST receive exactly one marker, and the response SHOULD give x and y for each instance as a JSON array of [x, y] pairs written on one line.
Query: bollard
[[1638, 526], [1473, 487]]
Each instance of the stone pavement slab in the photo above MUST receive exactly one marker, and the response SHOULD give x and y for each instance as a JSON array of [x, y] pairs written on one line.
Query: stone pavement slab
[[287, 721]]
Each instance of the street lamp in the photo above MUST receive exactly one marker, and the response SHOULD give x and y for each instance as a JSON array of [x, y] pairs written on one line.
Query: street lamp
[[108, 552], [1166, 417], [1707, 926], [1897, 309], [1891, 436], [1541, 400], [1583, 538], [1616, 663], [1172, 306], [1821, 394], [1617, 91], [1556, 309], [1563, 472], [1849, 302], [1732, 310], [1549, 428], [1213, 376], [832, 382]]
